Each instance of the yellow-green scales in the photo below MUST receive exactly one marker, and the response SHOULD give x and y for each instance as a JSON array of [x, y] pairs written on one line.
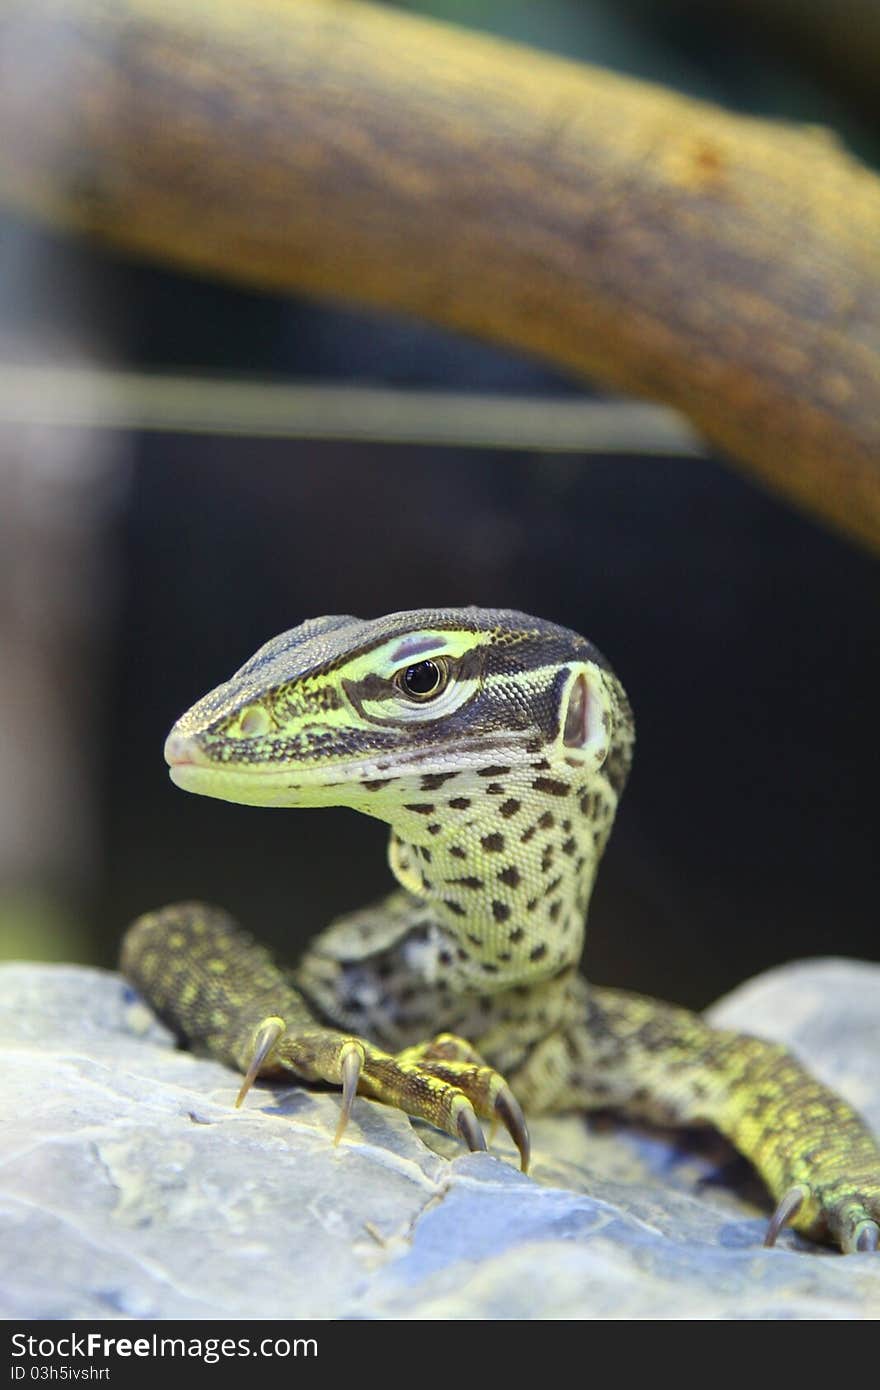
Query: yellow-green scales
[[496, 746]]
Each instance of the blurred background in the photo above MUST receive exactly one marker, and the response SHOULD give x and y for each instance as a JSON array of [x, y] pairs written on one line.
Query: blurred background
[[147, 549]]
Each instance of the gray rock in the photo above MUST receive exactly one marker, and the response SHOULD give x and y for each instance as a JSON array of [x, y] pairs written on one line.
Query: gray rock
[[131, 1187]]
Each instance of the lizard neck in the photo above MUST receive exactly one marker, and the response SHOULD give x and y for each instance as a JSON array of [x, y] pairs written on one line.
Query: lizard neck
[[506, 859]]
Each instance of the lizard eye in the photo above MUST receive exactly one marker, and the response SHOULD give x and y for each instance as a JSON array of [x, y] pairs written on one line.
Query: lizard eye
[[424, 681]]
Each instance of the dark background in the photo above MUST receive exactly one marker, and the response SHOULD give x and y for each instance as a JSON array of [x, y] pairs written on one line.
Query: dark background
[[745, 634]]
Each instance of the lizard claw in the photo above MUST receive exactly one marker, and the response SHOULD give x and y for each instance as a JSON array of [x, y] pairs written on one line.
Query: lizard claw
[[468, 1127], [866, 1236], [351, 1067], [509, 1111], [789, 1205], [265, 1038]]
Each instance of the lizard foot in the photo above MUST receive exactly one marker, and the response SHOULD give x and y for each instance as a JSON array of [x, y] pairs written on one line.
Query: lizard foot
[[223, 995], [451, 1059], [844, 1210], [444, 1082]]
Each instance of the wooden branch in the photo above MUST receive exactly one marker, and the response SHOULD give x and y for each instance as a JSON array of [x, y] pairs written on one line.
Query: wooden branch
[[726, 266]]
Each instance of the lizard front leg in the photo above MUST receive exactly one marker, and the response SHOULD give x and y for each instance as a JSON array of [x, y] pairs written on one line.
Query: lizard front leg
[[664, 1064], [222, 995]]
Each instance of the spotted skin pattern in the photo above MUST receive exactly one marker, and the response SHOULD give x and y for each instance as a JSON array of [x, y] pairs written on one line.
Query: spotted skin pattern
[[496, 747]]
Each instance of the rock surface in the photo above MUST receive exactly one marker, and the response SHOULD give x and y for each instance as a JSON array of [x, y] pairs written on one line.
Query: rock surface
[[131, 1188]]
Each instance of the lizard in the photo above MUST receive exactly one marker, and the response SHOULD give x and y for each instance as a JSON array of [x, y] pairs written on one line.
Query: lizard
[[496, 747]]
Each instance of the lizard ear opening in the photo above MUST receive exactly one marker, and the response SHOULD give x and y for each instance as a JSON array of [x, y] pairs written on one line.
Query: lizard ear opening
[[576, 730]]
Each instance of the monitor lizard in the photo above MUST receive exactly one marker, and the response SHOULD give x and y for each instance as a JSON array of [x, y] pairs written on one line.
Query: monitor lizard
[[496, 746]]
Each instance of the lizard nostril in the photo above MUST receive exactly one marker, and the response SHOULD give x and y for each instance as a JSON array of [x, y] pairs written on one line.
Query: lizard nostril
[[180, 749]]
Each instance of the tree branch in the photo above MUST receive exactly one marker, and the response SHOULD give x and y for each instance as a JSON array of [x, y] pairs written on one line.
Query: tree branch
[[729, 267]]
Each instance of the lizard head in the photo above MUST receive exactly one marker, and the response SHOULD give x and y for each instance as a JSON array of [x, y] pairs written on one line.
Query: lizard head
[[372, 714]]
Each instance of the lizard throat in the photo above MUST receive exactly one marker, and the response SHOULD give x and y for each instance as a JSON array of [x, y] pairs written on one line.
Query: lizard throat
[[506, 864]]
